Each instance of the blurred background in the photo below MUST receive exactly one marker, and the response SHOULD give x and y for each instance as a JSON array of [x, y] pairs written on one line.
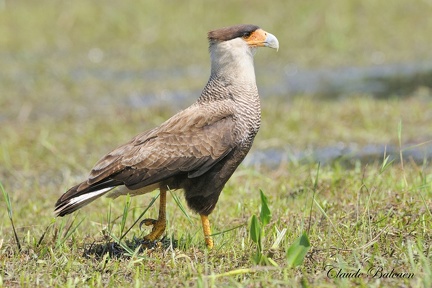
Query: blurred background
[[351, 80]]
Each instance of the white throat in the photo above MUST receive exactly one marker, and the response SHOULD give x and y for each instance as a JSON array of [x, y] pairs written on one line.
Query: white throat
[[233, 59]]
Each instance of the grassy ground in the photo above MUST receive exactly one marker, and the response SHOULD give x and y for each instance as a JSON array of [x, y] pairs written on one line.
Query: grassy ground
[[53, 127]]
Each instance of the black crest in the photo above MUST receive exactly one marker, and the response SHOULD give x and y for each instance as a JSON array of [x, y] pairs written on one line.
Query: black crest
[[232, 32]]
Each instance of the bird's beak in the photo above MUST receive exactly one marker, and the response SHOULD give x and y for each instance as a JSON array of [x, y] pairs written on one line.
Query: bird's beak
[[271, 41], [261, 38]]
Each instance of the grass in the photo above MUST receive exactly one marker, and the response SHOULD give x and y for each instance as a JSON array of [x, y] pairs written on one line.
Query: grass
[[67, 65], [360, 219]]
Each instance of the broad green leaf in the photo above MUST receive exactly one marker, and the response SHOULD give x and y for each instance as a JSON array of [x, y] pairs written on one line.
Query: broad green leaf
[[265, 214], [298, 250], [255, 229]]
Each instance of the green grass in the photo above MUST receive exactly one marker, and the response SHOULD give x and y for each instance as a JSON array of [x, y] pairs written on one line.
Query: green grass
[[360, 218], [54, 127]]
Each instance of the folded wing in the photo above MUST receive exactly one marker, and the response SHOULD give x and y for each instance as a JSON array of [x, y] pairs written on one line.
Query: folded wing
[[191, 142]]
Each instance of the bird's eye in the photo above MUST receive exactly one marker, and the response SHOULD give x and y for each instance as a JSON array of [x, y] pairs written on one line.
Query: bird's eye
[[247, 34]]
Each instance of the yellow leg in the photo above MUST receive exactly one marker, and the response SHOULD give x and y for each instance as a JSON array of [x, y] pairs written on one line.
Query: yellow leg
[[207, 232], [159, 225]]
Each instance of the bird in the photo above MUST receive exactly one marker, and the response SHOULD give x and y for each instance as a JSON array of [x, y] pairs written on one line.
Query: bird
[[196, 150]]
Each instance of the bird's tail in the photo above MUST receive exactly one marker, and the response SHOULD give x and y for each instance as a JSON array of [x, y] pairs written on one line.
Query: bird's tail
[[81, 195]]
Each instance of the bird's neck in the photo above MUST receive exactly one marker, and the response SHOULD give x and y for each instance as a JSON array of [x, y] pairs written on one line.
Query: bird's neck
[[232, 74], [233, 61], [233, 77]]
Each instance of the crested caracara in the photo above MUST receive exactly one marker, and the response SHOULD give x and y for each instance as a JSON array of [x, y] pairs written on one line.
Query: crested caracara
[[197, 149]]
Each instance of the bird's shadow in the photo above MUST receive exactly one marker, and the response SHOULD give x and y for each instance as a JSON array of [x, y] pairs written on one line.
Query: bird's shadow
[[115, 250]]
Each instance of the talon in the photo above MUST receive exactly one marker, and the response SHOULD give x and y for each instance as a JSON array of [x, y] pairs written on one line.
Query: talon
[[159, 225], [157, 231], [147, 222]]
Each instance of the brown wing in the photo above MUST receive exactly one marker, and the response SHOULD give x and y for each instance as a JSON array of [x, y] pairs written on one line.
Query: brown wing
[[191, 141]]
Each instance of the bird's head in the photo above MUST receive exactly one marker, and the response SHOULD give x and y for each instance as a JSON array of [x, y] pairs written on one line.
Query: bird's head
[[252, 35], [232, 49]]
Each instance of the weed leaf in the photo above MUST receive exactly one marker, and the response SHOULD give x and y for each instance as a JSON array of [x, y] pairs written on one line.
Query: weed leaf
[[125, 215], [180, 205], [9, 209], [265, 214], [255, 229], [297, 251], [386, 163]]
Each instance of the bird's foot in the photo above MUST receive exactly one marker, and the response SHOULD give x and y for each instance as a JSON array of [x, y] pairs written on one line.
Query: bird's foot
[[158, 229]]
